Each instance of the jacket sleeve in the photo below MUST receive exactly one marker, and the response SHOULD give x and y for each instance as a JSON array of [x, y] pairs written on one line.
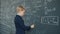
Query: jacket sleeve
[[21, 24]]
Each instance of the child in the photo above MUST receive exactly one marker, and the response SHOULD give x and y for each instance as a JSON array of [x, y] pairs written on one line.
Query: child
[[19, 22]]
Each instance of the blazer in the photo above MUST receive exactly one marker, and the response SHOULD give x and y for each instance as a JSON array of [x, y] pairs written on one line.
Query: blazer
[[19, 24]]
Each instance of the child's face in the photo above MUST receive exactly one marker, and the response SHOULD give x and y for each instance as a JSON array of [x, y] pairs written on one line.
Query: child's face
[[21, 11]]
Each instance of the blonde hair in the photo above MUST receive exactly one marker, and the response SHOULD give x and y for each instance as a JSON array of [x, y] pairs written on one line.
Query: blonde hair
[[20, 6]]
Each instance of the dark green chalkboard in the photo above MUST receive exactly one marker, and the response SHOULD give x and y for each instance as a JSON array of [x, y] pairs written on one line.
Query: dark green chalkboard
[[44, 14]]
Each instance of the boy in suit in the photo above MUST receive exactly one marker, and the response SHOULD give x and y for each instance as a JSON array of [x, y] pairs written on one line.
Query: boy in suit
[[19, 22]]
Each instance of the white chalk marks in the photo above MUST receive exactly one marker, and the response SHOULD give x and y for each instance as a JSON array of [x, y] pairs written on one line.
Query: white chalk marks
[[51, 20]]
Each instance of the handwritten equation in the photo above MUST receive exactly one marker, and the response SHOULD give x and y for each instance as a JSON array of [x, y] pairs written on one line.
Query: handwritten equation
[[52, 20]]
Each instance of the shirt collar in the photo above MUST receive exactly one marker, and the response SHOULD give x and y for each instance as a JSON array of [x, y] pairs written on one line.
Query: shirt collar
[[18, 14]]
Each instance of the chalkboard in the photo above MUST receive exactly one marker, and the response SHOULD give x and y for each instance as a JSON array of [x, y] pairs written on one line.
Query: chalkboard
[[43, 13]]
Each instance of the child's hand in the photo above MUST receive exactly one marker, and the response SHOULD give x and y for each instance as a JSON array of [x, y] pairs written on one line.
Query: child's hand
[[32, 26]]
